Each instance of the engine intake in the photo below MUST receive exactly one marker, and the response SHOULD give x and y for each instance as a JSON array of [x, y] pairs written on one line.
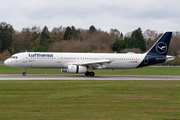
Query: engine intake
[[75, 69]]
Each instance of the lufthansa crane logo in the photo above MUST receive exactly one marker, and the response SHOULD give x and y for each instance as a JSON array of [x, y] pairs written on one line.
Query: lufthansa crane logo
[[161, 47]]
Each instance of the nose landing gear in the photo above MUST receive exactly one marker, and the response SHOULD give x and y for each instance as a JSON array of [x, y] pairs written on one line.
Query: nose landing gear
[[24, 73]]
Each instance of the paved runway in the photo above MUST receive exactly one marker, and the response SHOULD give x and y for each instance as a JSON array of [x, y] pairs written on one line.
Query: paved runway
[[82, 77]]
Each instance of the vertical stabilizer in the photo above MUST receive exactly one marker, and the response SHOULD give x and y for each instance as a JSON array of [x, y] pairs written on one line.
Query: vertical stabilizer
[[157, 53], [162, 45]]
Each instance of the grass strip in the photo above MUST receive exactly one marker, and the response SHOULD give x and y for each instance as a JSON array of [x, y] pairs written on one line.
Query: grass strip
[[76, 100]]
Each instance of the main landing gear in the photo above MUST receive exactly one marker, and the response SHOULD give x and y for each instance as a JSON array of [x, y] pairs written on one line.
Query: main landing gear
[[89, 73], [24, 73]]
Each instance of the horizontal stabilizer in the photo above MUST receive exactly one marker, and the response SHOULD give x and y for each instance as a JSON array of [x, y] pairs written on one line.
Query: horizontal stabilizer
[[165, 58]]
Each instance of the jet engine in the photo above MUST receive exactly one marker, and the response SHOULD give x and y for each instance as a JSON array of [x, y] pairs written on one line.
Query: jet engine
[[75, 69]]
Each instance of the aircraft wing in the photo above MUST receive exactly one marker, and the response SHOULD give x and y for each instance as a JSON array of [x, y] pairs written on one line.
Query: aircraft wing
[[100, 64], [93, 62]]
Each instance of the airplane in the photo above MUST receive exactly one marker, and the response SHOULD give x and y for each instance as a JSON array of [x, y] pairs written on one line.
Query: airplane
[[87, 62]]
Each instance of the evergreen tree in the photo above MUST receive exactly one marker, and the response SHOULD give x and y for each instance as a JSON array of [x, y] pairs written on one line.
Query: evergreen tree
[[121, 35], [6, 32], [67, 34], [92, 29], [42, 48], [137, 35], [135, 41], [74, 32], [119, 45], [116, 45], [44, 35], [71, 33], [130, 42]]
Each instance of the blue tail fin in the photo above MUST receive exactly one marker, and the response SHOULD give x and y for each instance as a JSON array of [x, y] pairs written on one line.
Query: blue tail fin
[[162, 45], [157, 53]]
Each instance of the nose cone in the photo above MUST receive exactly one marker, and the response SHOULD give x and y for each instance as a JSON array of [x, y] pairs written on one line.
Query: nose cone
[[6, 62], [10, 62]]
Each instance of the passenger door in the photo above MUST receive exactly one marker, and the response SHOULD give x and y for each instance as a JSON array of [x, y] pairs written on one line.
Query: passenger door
[[59, 59], [24, 58]]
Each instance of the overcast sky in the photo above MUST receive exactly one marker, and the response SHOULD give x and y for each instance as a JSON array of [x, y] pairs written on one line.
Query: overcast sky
[[124, 15]]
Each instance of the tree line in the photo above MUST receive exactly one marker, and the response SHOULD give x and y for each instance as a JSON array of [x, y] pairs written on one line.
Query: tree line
[[71, 39]]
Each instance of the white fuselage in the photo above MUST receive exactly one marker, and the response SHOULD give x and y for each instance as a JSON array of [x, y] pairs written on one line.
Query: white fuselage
[[62, 60]]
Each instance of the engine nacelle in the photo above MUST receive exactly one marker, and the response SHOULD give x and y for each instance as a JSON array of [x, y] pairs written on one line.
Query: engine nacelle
[[75, 69]]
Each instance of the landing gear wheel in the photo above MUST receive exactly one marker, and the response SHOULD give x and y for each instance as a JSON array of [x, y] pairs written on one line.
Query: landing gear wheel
[[24, 73], [87, 73], [92, 73]]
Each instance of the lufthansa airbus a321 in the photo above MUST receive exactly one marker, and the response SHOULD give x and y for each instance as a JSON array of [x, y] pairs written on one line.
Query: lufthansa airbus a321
[[87, 62]]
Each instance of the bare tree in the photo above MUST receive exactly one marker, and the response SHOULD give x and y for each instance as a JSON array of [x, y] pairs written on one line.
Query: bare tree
[[4, 55], [98, 42], [56, 34], [174, 46]]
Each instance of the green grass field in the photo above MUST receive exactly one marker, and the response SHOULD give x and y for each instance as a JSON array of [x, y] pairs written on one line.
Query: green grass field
[[105, 100], [139, 71], [76, 100]]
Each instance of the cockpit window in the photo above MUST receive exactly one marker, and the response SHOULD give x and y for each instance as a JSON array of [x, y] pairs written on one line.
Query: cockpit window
[[14, 57]]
